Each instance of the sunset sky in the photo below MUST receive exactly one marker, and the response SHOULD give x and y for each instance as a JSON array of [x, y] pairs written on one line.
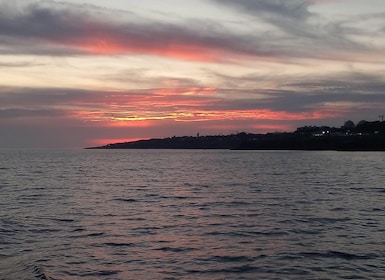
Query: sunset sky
[[85, 73]]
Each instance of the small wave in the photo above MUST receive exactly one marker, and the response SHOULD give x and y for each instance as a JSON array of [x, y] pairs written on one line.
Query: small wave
[[181, 197], [44, 230], [175, 197], [238, 203], [374, 209], [95, 234], [39, 273], [239, 269], [147, 230], [335, 255], [232, 269], [85, 234], [78, 229], [119, 244], [226, 259], [325, 220], [151, 195], [121, 199], [306, 231], [125, 200], [337, 209], [248, 233], [175, 249], [357, 188], [99, 273], [64, 220], [17, 270]]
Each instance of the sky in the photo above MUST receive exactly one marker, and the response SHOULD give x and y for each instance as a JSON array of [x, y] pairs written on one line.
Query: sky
[[76, 74]]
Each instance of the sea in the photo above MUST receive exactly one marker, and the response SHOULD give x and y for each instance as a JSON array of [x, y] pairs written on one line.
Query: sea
[[191, 214]]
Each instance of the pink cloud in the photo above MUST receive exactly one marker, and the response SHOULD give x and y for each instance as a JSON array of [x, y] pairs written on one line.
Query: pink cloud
[[74, 29]]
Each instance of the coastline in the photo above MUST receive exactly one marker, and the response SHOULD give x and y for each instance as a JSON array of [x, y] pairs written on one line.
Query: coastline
[[370, 136]]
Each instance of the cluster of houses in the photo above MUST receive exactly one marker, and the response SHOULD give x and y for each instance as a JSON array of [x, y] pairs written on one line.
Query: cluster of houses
[[348, 129]]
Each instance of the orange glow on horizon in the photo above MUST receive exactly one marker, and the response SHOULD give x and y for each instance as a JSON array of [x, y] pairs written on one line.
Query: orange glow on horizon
[[272, 127], [139, 122], [263, 114], [188, 104], [111, 46], [147, 108], [122, 118]]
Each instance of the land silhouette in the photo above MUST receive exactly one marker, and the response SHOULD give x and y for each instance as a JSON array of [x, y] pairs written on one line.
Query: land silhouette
[[365, 136]]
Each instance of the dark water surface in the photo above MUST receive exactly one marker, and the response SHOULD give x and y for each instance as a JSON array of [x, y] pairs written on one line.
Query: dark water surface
[[192, 214]]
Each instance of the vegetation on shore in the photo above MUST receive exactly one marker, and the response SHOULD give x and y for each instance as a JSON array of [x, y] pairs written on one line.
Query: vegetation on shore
[[365, 136]]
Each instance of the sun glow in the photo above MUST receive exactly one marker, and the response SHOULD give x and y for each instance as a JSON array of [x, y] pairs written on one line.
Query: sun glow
[[146, 119], [107, 45], [103, 47]]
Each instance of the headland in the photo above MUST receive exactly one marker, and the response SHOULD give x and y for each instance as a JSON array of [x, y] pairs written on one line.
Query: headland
[[365, 136]]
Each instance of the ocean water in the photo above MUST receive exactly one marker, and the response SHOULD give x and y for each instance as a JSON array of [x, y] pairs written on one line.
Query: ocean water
[[192, 214]]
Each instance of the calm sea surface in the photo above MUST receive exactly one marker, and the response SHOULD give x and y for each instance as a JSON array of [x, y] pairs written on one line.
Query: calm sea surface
[[192, 214]]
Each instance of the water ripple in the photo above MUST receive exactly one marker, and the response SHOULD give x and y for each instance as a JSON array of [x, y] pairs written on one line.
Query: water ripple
[[191, 215]]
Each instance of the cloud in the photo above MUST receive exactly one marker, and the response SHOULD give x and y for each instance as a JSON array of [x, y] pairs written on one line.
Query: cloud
[[286, 69], [124, 107], [76, 117], [307, 93], [63, 29], [298, 31], [294, 9], [28, 113], [288, 16], [312, 98], [20, 64], [46, 27]]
